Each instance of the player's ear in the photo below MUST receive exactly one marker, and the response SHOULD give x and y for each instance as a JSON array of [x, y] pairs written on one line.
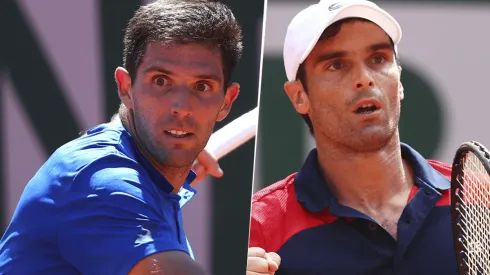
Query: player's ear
[[123, 81], [400, 85], [298, 96], [231, 95], [401, 91]]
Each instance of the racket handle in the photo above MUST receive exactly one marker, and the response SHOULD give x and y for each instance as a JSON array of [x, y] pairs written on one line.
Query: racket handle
[[234, 134]]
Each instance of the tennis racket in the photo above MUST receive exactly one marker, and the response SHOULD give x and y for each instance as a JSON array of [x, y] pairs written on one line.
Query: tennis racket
[[233, 135], [470, 208]]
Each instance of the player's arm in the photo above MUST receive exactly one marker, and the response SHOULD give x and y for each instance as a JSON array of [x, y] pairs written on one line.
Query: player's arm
[[167, 263]]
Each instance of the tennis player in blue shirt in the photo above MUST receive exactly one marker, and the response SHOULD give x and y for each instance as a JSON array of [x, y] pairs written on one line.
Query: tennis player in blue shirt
[[110, 201]]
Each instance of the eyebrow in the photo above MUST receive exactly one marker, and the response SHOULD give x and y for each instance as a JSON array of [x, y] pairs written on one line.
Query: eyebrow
[[339, 54], [330, 55], [381, 46], [156, 68]]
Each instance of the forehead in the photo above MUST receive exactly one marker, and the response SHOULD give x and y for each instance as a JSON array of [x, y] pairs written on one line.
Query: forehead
[[192, 57], [353, 37]]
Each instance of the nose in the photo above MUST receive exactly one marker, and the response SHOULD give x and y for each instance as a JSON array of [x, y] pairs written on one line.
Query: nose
[[181, 105], [363, 79]]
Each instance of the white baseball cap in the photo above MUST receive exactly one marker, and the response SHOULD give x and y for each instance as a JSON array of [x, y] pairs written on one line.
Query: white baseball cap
[[308, 25]]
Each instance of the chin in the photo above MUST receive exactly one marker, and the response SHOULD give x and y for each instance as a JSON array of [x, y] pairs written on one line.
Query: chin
[[370, 141], [178, 158]]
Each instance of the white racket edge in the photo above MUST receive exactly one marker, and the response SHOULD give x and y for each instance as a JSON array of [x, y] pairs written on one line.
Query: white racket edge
[[233, 134]]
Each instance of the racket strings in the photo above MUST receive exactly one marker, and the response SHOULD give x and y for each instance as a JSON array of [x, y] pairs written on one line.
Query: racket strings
[[474, 207]]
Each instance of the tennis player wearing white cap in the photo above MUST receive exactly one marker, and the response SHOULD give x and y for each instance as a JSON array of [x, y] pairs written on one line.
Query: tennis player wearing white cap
[[363, 202]]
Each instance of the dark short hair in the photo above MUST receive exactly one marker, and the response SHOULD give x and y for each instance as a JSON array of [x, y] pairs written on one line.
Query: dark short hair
[[329, 32], [182, 22]]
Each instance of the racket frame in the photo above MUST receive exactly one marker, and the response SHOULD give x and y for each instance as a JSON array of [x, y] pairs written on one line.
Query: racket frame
[[483, 156]]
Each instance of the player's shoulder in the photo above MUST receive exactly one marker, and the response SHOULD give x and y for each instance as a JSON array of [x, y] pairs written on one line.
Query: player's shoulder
[[281, 190], [97, 139], [271, 202], [441, 167], [103, 141], [105, 151], [276, 205]]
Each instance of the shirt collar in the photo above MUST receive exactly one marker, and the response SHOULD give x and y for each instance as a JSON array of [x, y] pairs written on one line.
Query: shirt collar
[[312, 191], [186, 192]]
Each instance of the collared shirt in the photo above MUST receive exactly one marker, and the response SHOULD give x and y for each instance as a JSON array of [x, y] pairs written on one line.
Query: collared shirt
[[302, 221], [96, 206]]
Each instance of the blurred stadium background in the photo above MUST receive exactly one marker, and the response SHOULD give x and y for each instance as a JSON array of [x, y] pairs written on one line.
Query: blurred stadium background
[[57, 60], [445, 56]]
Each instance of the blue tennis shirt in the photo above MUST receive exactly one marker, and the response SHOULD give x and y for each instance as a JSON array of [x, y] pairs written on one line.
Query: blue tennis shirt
[[96, 206], [300, 219]]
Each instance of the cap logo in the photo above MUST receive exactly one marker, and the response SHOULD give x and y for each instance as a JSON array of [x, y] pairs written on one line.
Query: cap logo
[[334, 6]]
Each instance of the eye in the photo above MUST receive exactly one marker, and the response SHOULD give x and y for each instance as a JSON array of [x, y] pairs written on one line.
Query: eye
[[203, 87], [378, 59], [160, 81], [336, 65]]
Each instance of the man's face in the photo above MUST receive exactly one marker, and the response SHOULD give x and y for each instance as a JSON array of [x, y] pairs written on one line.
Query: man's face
[[177, 97], [353, 88]]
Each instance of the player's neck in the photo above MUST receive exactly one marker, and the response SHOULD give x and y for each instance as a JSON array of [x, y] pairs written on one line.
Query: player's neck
[[175, 176], [367, 180]]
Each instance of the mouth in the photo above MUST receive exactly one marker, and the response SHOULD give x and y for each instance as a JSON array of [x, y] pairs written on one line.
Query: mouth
[[367, 107], [177, 133]]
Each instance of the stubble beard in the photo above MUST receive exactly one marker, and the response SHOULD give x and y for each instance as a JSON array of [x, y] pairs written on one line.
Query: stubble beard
[[353, 141]]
